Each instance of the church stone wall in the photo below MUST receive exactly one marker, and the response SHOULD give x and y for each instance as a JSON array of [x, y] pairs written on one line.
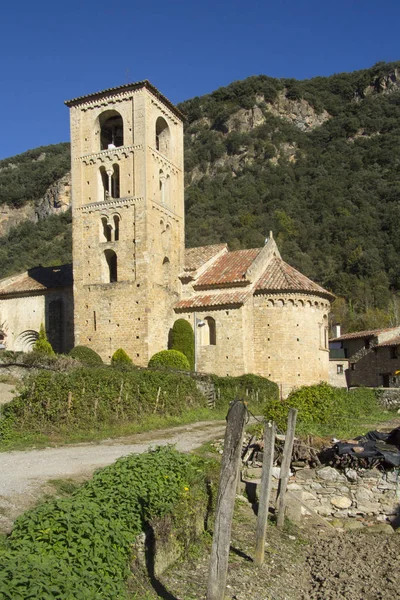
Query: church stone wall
[[227, 355], [290, 339], [22, 316], [134, 309]]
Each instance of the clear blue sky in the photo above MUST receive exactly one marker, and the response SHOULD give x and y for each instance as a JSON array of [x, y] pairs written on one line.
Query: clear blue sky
[[54, 51]]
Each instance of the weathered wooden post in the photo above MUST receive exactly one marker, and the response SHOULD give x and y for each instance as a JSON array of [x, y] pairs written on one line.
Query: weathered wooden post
[[265, 491], [226, 501], [285, 466]]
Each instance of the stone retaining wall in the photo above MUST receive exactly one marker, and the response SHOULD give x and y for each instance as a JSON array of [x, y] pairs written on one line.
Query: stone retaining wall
[[371, 494], [389, 398], [332, 493]]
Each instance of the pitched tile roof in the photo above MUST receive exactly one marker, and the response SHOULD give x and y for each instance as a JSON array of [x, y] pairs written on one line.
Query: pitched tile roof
[[279, 276], [37, 279], [210, 300], [362, 334], [196, 257], [228, 269], [395, 341]]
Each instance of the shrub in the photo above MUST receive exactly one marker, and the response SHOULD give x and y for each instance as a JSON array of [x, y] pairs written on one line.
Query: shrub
[[120, 357], [90, 397], [258, 390], [86, 355], [80, 547], [182, 339], [42, 345], [323, 404], [170, 359]]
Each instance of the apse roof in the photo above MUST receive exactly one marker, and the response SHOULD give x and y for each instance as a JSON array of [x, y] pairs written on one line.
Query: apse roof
[[279, 276]]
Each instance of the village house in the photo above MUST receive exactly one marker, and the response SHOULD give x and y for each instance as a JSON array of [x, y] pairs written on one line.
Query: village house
[[133, 277], [369, 358]]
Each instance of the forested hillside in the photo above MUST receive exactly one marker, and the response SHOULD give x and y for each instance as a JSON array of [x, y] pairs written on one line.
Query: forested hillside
[[27, 176], [315, 161]]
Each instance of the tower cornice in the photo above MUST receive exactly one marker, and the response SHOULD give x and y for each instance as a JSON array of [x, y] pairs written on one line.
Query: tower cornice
[[128, 87]]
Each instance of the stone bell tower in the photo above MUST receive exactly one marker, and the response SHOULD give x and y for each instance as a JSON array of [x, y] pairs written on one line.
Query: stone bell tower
[[128, 219]]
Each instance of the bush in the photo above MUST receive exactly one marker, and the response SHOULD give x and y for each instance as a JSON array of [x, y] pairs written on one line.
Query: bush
[[182, 339], [42, 345], [81, 547], [254, 388], [170, 359], [323, 404], [86, 355], [120, 357], [91, 397]]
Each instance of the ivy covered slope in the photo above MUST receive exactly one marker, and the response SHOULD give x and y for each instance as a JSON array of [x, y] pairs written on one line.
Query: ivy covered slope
[[315, 161]]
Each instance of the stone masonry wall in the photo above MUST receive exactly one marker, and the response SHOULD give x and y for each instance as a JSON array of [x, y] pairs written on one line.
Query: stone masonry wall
[[370, 494], [389, 398], [290, 339]]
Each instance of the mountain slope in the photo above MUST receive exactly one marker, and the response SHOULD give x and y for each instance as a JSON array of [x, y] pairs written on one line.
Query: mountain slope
[[315, 161]]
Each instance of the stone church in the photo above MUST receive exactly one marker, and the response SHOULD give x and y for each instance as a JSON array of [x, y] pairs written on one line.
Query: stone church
[[132, 276]]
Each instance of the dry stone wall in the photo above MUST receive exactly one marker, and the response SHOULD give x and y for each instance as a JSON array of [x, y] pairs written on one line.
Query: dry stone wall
[[369, 494]]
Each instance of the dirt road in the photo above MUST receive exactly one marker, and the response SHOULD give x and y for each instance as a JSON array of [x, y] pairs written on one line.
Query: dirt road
[[23, 474]]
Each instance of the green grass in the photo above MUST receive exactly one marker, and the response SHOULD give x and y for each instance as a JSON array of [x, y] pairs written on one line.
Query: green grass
[[74, 436]]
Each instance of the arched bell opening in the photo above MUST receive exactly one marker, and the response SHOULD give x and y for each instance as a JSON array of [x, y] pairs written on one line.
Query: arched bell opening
[[111, 130], [162, 136]]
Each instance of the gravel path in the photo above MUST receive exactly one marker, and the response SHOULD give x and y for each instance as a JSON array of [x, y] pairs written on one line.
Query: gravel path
[[23, 473]]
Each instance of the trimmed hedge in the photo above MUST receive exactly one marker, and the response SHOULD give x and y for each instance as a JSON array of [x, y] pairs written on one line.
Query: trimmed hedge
[[80, 547], [182, 339], [92, 397], [42, 344], [120, 357], [86, 355], [170, 359]]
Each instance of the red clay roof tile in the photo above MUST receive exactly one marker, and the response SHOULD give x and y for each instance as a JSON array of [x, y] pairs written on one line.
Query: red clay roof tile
[[37, 279], [229, 269], [196, 257], [210, 300], [361, 334], [279, 276], [395, 341]]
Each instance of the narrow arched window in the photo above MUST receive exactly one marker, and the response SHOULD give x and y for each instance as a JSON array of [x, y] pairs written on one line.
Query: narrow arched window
[[115, 182], [105, 184], [111, 261], [161, 180], [116, 228], [111, 130], [211, 333], [162, 136], [106, 229]]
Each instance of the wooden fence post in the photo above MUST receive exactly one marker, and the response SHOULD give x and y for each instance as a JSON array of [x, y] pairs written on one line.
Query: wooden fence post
[[69, 403], [285, 466], [226, 501], [265, 491]]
